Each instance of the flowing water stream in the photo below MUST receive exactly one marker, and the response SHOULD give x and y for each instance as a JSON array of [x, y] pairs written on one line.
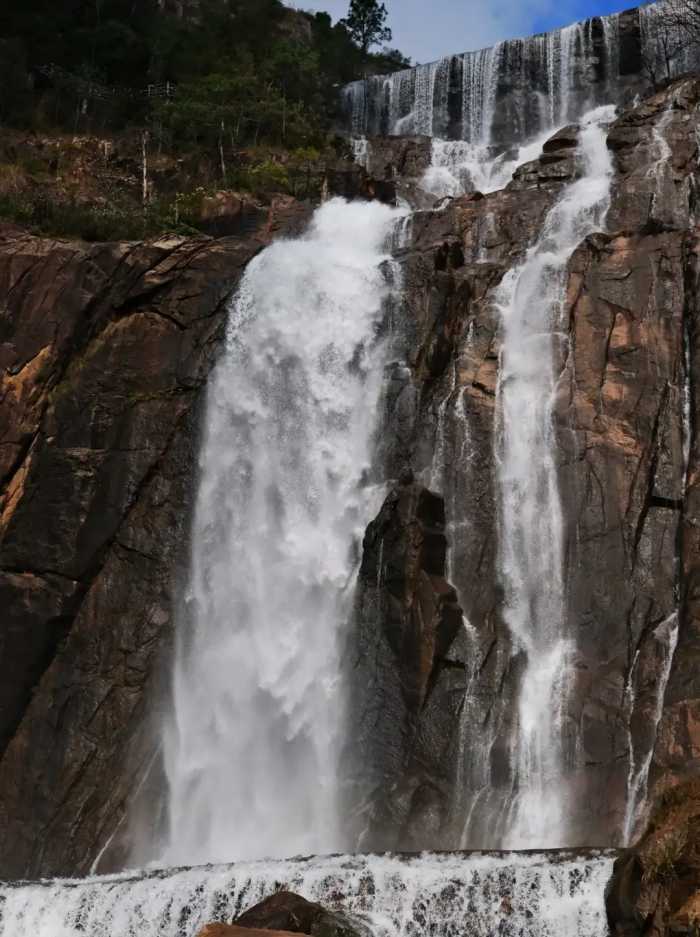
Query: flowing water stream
[[507, 94], [252, 749], [531, 301]]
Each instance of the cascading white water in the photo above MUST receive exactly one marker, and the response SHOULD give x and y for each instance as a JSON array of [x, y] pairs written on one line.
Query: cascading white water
[[251, 755], [479, 85], [477, 895], [530, 301], [458, 167], [666, 640], [512, 91]]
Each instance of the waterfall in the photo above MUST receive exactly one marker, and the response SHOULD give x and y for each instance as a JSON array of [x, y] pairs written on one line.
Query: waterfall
[[457, 895], [507, 94], [458, 166], [665, 642], [283, 501], [530, 301]]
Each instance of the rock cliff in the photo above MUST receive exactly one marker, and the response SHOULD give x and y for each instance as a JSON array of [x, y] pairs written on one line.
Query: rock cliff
[[105, 351], [625, 418]]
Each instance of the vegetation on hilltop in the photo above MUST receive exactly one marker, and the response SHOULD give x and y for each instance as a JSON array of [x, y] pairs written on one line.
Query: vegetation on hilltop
[[246, 90]]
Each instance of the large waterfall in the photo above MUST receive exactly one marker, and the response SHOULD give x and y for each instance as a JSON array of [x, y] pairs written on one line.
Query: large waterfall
[[253, 754], [291, 471], [284, 497]]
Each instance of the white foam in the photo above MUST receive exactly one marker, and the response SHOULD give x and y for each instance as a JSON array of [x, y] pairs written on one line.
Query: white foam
[[451, 895], [252, 748]]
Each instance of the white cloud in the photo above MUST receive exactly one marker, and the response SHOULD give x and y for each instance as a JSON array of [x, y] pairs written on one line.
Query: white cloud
[[429, 29]]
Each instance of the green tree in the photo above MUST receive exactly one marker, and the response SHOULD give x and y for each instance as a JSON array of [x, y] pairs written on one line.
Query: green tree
[[366, 23]]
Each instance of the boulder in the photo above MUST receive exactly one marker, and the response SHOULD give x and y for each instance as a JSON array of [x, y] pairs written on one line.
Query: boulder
[[287, 912], [234, 930]]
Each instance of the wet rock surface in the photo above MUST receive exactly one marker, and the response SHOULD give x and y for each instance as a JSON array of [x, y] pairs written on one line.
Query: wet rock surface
[[234, 930], [386, 169], [407, 619]]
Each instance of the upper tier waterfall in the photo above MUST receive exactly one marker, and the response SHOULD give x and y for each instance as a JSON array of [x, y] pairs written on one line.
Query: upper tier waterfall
[[457, 895], [516, 89]]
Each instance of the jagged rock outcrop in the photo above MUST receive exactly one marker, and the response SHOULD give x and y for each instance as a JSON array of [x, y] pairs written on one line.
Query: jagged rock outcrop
[[407, 618], [656, 886], [105, 350], [285, 913], [233, 930], [386, 169]]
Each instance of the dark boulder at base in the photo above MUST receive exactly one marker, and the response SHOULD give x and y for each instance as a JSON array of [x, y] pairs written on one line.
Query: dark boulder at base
[[234, 930], [286, 911]]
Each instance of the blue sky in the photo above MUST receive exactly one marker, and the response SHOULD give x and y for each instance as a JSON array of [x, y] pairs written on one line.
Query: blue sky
[[429, 29]]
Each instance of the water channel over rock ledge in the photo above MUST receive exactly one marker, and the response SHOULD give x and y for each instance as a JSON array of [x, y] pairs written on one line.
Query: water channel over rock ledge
[[443, 895]]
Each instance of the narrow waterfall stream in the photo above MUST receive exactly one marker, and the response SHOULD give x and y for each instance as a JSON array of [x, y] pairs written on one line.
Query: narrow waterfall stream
[[530, 301], [251, 754]]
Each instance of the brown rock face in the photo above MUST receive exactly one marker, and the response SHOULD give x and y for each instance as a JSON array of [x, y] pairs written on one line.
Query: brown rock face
[[625, 420], [656, 887], [408, 618], [286, 913], [391, 167], [104, 353]]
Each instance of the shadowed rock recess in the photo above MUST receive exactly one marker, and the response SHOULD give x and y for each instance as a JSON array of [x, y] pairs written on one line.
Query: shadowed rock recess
[[105, 351]]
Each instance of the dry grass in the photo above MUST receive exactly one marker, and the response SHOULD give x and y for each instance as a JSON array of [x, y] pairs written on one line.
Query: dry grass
[[13, 179], [689, 914], [672, 834], [661, 855]]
